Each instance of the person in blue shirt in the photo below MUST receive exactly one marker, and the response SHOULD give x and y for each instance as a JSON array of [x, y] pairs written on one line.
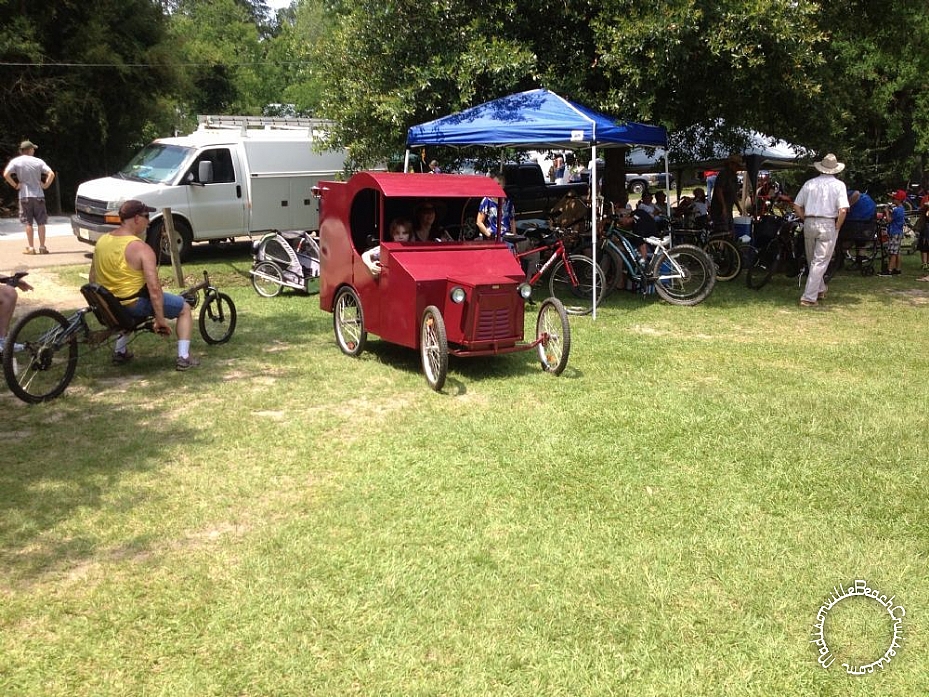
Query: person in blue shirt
[[895, 234], [861, 221], [490, 223]]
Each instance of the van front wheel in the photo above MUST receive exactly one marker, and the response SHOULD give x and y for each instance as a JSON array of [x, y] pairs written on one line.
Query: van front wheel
[[158, 240]]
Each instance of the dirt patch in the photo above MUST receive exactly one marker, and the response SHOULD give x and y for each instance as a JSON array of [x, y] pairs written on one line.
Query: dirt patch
[[48, 291]]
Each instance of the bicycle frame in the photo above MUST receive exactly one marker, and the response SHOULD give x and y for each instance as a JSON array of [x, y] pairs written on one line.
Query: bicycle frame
[[558, 252], [31, 368], [630, 256], [636, 265]]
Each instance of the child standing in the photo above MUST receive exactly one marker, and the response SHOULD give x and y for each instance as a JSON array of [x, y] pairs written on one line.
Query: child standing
[[895, 234]]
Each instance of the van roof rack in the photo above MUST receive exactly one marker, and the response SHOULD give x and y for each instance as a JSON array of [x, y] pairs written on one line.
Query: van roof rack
[[267, 123]]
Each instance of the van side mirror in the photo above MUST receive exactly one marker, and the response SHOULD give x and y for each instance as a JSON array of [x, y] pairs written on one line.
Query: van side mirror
[[205, 172]]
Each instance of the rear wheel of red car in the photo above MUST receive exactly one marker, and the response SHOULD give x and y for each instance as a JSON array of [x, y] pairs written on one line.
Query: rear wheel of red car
[[433, 347], [348, 320], [555, 333]]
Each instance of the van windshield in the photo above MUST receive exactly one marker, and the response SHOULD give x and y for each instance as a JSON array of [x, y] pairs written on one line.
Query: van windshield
[[157, 163]]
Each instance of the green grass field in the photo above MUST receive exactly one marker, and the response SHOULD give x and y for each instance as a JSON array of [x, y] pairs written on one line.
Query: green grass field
[[665, 518]]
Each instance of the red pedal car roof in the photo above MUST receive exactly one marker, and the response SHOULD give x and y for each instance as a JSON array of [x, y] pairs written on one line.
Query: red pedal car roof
[[429, 185]]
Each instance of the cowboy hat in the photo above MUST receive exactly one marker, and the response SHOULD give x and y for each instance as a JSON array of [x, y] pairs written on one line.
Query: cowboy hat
[[829, 165]]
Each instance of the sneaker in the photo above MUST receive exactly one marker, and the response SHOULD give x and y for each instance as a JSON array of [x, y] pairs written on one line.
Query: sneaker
[[186, 363], [896, 272], [16, 347], [885, 273], [29, 250], [122, 357]]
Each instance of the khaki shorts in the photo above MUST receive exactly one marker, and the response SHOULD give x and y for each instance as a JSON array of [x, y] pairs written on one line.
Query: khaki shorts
[[32, 210]]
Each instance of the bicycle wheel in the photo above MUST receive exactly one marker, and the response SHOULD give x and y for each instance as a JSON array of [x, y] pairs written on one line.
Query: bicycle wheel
[[726, 258], [433, 348], [683, 275], [612, 266], [577, 298], [553, 329], [765, 266], [266, 279], [748, 254], [217, 319], [348, 321], [37, 365]]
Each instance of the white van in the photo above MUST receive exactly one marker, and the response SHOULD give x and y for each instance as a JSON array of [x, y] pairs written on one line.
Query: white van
[[233, 176]]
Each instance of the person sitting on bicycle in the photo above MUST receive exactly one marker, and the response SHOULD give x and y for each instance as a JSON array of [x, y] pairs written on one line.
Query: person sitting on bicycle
[[126, 266], [641, 224]]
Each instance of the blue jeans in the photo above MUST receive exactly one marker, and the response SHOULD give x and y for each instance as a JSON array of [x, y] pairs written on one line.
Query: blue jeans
[[173, 304]]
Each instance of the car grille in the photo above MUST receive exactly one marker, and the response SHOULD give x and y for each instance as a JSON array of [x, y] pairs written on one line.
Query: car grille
[[89, 209], [494, 324]]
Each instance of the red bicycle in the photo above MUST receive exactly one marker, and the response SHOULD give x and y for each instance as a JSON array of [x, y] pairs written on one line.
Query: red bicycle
[[571, 276]]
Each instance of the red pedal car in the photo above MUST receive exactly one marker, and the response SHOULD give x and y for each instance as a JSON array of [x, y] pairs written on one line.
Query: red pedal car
[[456, 296]]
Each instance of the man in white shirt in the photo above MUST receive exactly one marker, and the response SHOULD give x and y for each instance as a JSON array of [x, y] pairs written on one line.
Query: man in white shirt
[[822, 205], [30, 176]]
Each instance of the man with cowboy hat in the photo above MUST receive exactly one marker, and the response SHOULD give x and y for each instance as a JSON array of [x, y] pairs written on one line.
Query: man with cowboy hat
[[30, 176], [822, 205]]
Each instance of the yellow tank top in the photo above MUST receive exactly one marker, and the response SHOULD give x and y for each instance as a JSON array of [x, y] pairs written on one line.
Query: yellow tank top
[[111, 269]]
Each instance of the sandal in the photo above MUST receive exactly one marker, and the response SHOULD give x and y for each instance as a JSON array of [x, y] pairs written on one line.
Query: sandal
[[43, 250], [29, 250]]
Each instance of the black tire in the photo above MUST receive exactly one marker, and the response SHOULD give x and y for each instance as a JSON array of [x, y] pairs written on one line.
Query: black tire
[[577, 299], [612, 266], [433, 347], [748, 254], [765, 266], [684, 275], [348, 321], [41, 369], [552, 327], [267, 279], [726, 258], [157, 239], [217, 319]]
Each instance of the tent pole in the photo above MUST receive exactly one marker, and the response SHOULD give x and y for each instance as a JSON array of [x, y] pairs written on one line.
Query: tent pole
[[593, 224], [406, 161]]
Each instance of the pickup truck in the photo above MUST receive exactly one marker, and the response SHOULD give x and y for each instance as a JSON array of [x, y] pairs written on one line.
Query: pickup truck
[[531, 194], [639, 182]]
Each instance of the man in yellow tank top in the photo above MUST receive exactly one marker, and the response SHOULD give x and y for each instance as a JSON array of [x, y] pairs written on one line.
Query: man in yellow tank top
[[125, 265]]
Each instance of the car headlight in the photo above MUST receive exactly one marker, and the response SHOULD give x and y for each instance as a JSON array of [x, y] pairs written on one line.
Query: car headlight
[[525, 291], [458, 295]]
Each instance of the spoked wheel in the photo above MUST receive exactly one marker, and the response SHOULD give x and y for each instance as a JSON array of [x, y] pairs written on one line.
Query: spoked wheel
[[577, 298], [348, 321], [726, 257], [553, 329], [36, 364], [433, 348], [683, 275], [267, 279], [765, 266], [217, 319]]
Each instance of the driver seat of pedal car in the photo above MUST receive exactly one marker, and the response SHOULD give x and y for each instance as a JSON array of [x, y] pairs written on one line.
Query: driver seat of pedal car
[[108, 309]]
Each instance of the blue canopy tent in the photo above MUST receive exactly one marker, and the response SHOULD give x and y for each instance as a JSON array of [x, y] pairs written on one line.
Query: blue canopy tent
[[538, 119]]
